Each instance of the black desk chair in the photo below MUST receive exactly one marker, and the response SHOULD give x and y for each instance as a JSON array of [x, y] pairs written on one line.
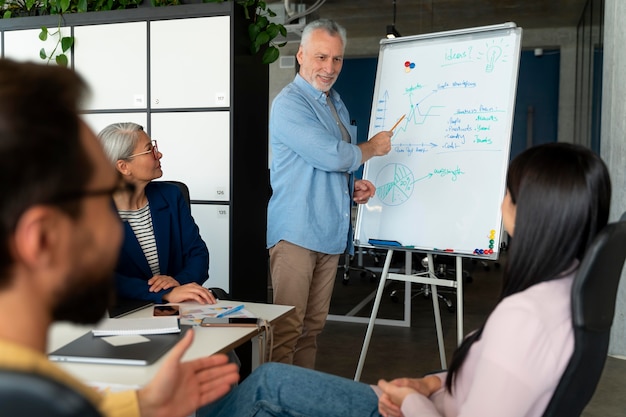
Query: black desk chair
[[593, 306], [218, 292], [183, 189], [444, 268], [28, 394]]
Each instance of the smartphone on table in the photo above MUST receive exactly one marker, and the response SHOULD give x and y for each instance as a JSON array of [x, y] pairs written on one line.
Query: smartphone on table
[[166, 310]]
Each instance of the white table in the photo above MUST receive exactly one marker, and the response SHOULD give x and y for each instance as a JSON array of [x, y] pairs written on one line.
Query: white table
[[207, 341]]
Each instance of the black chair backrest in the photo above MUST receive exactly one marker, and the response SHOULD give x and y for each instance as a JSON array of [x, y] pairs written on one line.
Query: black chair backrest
[[28, 394], [593, 305], [218, 292], [183, 188]]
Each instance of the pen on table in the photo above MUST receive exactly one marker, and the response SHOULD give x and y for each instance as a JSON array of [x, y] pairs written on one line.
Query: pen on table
[[230, 311], [398, 122]]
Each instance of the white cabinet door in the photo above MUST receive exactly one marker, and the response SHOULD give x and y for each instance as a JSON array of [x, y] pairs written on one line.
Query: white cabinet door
[[98, 121], [214, 221], [190, 62], [24, 45], [196, 151], [113, 59]]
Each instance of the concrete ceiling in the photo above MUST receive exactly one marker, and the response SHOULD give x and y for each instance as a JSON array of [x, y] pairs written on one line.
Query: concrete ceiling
[[366, 18]]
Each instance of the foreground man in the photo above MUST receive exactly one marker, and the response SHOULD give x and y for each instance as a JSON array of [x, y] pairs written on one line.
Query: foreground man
[[60, 236]]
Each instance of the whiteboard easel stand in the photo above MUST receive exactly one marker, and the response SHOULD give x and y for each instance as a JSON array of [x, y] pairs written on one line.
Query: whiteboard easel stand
[[428, 278]]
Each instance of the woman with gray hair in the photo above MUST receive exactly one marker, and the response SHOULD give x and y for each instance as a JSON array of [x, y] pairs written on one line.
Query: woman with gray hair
[[163, 258]]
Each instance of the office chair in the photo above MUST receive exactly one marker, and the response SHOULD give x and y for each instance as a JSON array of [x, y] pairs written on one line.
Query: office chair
[[183, 189], [442, 270], [593, 305], [29, 394], [347, 268], [218, 292]]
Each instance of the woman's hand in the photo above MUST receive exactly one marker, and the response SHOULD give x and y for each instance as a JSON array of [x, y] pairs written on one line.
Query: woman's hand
[[425, 386], [190, 292], [162, 282], [396, 391]]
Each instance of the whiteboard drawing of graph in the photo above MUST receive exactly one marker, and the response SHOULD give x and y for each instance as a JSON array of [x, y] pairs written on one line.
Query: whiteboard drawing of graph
[[441, 186]]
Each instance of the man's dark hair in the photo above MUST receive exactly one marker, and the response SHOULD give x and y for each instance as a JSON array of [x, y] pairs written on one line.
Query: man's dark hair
[[41, 155]]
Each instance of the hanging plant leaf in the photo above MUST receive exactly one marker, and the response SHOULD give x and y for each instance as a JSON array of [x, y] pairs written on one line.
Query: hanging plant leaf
[[272, 30], [253, 31], [42, 54], [43, 35], [81, 6], [67, 42], [61, 60], [262, 21], [65, 4], [260, 40], [270, 55]]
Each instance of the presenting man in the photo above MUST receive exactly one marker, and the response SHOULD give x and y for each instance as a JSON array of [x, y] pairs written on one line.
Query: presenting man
[[314, 157], [59, 241]]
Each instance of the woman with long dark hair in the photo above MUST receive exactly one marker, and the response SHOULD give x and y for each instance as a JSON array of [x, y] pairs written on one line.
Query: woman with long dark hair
[[557, 200]]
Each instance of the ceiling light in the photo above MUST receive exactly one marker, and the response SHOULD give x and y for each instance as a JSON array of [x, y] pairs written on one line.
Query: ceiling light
[[392, 32], [391, 29]]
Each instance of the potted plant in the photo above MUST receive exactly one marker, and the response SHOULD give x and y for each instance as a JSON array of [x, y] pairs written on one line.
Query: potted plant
[[261, 30]]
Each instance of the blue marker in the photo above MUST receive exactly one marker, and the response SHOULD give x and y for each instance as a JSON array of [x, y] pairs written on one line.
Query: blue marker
[[381, 242], [230, 311]]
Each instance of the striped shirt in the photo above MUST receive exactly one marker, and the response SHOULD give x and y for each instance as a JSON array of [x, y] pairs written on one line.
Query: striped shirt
[[141, 223]]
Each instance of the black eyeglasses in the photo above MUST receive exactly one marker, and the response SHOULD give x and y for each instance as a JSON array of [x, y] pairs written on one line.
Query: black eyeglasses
[[154, 149], [122, 186]]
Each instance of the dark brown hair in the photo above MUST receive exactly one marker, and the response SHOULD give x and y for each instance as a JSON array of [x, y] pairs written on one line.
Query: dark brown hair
[[41, 155], [562, 194]]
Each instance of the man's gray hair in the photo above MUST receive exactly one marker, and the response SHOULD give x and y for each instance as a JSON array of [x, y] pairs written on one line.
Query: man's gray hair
[[330, 26]]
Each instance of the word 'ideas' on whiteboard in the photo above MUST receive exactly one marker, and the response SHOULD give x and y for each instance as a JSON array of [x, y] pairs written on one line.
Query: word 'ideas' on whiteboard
[[441, 186]]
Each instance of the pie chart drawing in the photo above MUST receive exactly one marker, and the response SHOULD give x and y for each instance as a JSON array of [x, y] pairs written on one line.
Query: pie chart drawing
[[394, 184]]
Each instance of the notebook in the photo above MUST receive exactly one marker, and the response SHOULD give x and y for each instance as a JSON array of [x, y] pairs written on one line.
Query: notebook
[[143, 326], [93, 349], [124, 306]]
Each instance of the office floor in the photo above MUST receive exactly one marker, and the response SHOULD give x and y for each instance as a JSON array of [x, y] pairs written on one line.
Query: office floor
[[398, 351]]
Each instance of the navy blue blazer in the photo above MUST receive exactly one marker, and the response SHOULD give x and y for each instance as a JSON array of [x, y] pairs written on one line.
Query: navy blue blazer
[[182, 252]]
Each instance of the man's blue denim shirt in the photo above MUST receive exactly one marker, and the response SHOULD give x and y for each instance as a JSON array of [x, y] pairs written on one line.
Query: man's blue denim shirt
[[311, 172]]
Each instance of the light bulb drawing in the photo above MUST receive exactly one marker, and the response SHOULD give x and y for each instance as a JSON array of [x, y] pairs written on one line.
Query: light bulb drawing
[[494, 53]]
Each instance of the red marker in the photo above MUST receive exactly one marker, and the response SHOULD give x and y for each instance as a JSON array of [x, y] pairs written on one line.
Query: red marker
[[448, 250]]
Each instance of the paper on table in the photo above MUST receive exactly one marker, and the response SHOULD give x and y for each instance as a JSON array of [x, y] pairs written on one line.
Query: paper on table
[[193, 316], [125, 340], [149, 325]]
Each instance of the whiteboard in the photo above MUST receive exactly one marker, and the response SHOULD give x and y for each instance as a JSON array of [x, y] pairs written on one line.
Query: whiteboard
[[441, 186]]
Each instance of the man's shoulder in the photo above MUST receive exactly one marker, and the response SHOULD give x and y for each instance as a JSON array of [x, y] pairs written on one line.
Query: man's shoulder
[[291, 92]]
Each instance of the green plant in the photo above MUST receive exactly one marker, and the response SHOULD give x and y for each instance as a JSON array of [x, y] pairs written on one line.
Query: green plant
[[14, 8], [60, 7], [158, 3], [261, 31], [65, 42]]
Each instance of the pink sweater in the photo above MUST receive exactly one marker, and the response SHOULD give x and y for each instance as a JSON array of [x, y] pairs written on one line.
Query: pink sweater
[[515, 367]]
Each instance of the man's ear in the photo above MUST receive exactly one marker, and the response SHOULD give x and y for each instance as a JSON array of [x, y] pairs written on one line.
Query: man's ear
[[37, 236], [299, 55]]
